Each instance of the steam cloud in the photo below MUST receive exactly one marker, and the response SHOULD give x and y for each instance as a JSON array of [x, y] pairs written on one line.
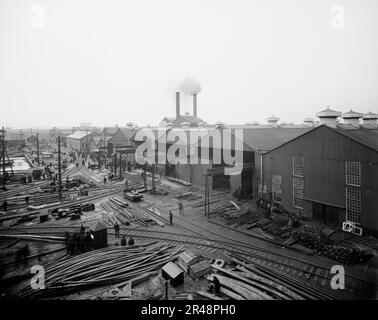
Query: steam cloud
[[190, 86]]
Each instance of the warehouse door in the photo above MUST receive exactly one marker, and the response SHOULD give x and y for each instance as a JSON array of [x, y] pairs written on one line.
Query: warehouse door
[[325, 214]]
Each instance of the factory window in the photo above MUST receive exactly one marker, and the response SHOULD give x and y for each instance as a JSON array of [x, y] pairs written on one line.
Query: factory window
[[298, 181], [298, 187], [276, 187], [353, 203], [298, 166], [353, 173]]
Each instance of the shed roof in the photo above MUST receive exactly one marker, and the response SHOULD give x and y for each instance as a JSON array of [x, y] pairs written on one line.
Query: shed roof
[[79, 135]]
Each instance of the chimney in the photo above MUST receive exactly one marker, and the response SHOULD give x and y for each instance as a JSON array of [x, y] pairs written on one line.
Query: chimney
[[328, 117], [272, 121], [195, 105], [177, 104], [352, 117], [371, 119], [308, 122]]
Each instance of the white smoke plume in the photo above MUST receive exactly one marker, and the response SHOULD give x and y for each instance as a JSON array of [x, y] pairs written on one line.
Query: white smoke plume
[[190, 86]]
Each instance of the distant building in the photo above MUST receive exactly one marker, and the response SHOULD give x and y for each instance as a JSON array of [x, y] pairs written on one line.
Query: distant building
[[32, 139], [79, 140], [14, 139]]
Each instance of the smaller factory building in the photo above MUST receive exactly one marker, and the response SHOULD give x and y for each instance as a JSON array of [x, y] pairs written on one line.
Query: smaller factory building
[[79, 140]]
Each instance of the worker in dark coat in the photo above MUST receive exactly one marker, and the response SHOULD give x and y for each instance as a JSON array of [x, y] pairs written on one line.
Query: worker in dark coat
[[181, 209], [27, 200], [131, 241], [82, 229], [123, 241], [170, 217], [116, 229], [67, 241], [215, 286], [5, 205]]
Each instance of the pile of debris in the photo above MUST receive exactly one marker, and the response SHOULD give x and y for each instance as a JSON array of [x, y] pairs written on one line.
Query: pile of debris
[[313, 238], [73, 212]]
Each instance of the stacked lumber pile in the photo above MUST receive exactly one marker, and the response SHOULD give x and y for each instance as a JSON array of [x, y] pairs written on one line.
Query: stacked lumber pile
[[185, 183], [246, 282], [312, 237], [100, 267], [224, 208], [249, 217], [126, 214], [249, 281]]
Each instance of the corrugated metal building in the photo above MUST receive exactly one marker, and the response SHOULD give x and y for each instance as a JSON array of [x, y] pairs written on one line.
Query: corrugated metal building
[[329, 173]]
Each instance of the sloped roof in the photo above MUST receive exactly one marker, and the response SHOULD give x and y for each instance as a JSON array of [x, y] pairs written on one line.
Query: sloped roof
[[128, 132], [109, 131], [79, 135], [367, 137], [370, 115], [98, 226], [328, 113], [187, 118], [265, 139]]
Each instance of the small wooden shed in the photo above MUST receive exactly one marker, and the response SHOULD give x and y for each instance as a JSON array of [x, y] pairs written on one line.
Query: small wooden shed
[[100, 233]]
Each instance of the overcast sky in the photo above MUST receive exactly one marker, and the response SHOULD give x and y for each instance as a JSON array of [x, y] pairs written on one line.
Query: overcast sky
[[65, 62]]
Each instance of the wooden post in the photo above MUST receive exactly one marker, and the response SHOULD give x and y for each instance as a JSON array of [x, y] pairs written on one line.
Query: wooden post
[[59, 171], [3, 154], [153, 179], [37, 148]]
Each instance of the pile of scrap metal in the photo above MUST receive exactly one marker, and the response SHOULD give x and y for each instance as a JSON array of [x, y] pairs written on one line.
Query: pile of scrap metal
[[73, 212], [111, 265], [313, 238]]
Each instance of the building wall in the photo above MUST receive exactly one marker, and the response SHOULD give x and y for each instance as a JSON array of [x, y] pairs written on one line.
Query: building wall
[[325, 153], [75, 144]]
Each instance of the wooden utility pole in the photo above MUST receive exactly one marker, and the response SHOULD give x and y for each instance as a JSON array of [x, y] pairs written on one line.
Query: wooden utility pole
[[115, 163], [3, 155], [59, 171], [120, 165], [38, 149], [153, 179], [207, 195], [145, 175]]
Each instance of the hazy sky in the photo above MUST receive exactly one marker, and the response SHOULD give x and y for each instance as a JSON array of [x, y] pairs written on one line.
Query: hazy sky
[[65, 62]]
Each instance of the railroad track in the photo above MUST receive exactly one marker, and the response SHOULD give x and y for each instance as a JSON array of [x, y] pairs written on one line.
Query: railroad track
[[33, 186], [315, 275], [316, 278], [65, 204]]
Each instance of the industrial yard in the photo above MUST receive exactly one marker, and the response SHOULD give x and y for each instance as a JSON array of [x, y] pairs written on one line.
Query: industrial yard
[[103, 227], [203, 155]]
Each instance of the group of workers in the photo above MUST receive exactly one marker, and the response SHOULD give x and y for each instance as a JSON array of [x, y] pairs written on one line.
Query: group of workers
[[79, 242], [123, 240]]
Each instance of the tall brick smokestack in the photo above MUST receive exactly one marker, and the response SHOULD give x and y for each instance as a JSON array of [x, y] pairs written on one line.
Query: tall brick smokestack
[[177, 104], [195, 105]]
